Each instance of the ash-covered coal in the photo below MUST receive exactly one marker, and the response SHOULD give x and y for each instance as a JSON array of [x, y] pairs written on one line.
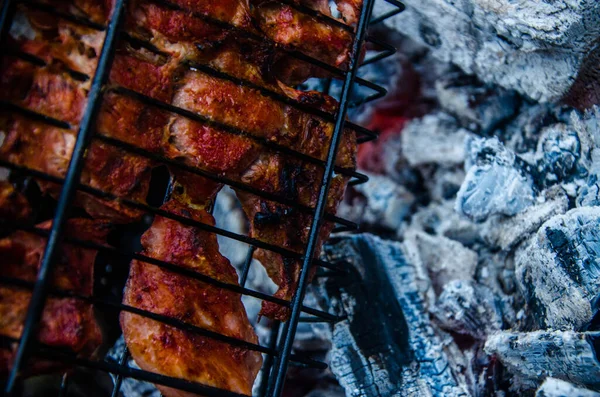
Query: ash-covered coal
[[388, 346], [496, 182], [496, 253], [553, 387], [558, 270], [537, 48], [566, 355]]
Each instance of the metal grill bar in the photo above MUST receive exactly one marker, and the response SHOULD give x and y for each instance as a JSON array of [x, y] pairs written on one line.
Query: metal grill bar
[[119, 378], [56, 354], [64, 385], [318, 15], [38, 297], [388, 51], [289, 50], [157, 211], [277, 378], [324, 316], [268, 363], [398, 8], [275, 365], [357, 177]]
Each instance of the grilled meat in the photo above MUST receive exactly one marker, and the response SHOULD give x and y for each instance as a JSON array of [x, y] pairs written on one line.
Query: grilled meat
[[286, 26], [67, 323], [172, 351], [189, 35], [57, 41], [13, 205], [236, 156], [48, 149], [282, 225], [222, 129]]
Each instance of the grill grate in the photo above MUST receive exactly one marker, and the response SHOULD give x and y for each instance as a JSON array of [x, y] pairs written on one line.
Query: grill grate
[[278, 350]]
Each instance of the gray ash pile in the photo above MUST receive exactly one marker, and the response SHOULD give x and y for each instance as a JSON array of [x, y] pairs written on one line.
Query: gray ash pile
[[485, 195]]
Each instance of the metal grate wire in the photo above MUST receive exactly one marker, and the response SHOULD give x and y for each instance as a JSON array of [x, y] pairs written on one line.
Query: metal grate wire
[[279, 349]]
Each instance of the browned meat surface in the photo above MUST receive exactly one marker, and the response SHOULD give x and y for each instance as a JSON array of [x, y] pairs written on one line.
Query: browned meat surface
[[13, 205], [57, 41], [287, 26], [238, 157], [171, 351], [39, 89], [48, 149], [66, 322], [241, 117], [282, 225]]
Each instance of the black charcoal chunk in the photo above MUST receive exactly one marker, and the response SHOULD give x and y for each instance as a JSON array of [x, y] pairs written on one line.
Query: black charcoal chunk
[[388, 345]]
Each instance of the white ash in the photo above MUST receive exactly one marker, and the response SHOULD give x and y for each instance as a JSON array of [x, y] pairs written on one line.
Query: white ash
[[436, 139], [477, 106], [529, 167], [589, 193], [505, 232], [558, 270], [534, 47], [558, 151], [467, 307], [496, 183], [444, 182], [379, 199], [565, 355], [229, 215], [449, 261], [553, 387], [441, 219]]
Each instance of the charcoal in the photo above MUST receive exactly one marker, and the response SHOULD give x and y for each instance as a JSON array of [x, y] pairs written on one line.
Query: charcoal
[[558, 270], [388, 344], [553, 387], [328, 390], [496, 271], [436, 138], [478, 107], [566, 355], [589, 194], [444, 183], [467, 307], [496, 182], [522, 133], [441, 219], [559, 150], [534, 47], [504, 232], [449, 261]]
